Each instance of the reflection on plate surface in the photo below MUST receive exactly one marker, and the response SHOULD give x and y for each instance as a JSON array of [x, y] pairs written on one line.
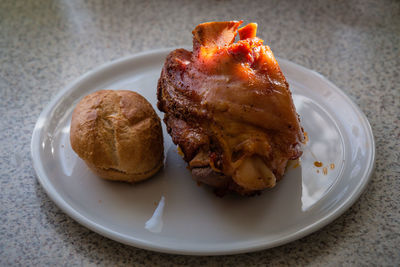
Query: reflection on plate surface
[[325, 145], [195, 221], [155, 223]]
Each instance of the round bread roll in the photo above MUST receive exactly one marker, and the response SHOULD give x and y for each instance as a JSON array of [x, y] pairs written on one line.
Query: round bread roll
[[118, 134]]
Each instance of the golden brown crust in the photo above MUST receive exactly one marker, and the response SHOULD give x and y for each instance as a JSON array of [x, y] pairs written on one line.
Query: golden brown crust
[[118, 134], [116, 175]]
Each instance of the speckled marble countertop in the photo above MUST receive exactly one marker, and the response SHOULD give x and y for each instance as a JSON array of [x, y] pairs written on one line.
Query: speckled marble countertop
[[45, 45]]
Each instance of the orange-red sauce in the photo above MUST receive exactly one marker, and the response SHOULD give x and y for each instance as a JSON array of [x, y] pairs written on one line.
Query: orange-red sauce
[[332, 166]]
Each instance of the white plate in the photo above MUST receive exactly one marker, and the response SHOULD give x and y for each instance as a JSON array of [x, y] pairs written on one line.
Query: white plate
[[195, 221]]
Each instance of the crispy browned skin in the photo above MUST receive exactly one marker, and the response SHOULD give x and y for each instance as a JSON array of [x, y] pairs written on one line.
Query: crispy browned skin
[[228, 107]]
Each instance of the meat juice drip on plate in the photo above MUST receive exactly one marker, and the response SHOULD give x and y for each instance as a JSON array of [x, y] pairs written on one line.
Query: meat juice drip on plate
[[325, 168], [318, 164]]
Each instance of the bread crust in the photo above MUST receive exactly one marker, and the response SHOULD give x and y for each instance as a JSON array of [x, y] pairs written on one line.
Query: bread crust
[[118, 134]]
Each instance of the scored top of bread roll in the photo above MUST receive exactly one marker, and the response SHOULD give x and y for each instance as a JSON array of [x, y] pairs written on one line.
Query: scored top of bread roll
[[118, 134]]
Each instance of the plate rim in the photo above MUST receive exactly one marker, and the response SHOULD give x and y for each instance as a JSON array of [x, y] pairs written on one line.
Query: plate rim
[[141, 243]]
